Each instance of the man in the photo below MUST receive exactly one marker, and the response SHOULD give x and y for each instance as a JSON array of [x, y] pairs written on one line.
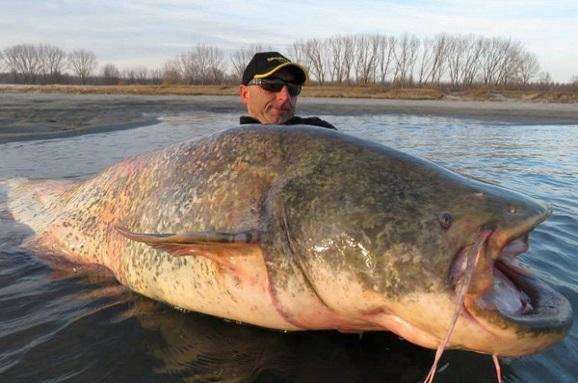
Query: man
[[269, 89]]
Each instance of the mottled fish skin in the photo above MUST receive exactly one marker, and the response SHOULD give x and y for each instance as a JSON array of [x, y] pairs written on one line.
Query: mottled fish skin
[[352, 235]]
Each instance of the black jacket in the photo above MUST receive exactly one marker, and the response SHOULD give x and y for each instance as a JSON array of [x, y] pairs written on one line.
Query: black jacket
[[316, 121]]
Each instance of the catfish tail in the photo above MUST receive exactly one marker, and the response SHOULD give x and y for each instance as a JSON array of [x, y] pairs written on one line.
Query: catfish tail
[[33, 202]]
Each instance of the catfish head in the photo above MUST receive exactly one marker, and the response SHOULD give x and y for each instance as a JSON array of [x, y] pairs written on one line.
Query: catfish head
[[389, 241]]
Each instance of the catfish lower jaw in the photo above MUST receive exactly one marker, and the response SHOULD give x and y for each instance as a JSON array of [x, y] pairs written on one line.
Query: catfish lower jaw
[[523, 314], [522, 309], [526, 302], [519, 296]]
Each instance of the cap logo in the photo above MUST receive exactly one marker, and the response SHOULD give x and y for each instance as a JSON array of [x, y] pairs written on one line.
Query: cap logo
[[277, 58]]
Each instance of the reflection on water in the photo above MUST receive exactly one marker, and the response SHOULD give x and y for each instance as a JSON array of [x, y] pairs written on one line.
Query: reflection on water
[[96, 325], [82, 327]]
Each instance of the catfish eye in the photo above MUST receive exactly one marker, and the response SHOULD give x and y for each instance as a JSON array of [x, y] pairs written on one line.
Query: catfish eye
[[445, 219], [512, 210]]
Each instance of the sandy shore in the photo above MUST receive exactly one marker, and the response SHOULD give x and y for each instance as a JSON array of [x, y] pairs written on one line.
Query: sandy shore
[[26, 116]]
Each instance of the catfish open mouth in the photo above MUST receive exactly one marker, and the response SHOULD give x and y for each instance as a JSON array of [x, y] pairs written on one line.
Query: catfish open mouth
[[519, 296]]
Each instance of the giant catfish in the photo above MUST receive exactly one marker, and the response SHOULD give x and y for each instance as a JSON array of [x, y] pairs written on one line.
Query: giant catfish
[[301, 228]]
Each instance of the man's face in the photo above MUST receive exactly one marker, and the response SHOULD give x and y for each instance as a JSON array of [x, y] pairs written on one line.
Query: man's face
[[270, 107]]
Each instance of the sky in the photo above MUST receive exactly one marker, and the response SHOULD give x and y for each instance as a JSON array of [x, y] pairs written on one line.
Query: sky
[[130, 33]]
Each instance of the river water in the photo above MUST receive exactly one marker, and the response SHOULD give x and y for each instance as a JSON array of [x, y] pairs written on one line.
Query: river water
[[65, 327]]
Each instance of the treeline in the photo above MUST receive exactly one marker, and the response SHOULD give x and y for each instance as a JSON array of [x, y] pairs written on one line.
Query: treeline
[[46, 64], [456, 61], [461, 61]]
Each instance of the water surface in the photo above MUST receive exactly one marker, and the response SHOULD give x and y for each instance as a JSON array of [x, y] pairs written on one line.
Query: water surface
[[61, 326]]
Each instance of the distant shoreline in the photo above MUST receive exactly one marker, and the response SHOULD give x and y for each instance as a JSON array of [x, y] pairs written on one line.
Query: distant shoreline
[[30, 116], [310, 90]]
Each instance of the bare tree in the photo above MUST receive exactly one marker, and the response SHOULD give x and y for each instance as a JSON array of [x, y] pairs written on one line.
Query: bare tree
[[156, 76], [83, 63], [171, 72], [425, 61], [187, 66], [213, 71], [405, 55], [507, 69], [337, 60], [528, 67], [53, 62], [367, 55], [24, 61], [341, 58], [135, 75], [385, 57], [439, 64], [471, 63], [315, 55], [490, 60], [203, 64], [128, 76], [348, 58], [501, 62], [431, 64], [240, 58], [464, 53], [110, 74]]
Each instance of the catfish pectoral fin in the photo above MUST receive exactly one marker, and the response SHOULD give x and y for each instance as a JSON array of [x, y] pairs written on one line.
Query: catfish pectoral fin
[[203, 237], [211, 244]]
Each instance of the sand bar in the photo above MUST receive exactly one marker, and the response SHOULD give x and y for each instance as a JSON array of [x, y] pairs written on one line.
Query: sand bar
[[26, 116]]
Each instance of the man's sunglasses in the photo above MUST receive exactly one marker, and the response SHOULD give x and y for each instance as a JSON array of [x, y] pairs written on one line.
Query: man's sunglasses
[[276, 84]]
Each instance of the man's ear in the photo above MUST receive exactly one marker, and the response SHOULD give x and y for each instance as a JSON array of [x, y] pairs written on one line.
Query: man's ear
[[244, 93]]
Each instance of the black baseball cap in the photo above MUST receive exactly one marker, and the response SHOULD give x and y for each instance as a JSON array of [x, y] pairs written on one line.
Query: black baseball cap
[[264, 64]]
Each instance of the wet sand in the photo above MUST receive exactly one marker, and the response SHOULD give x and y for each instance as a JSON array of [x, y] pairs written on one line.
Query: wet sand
[[29, 116]]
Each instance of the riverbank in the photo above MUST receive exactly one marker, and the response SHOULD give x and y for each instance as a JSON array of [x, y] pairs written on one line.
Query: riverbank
[[330, 91], [33, 115]]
